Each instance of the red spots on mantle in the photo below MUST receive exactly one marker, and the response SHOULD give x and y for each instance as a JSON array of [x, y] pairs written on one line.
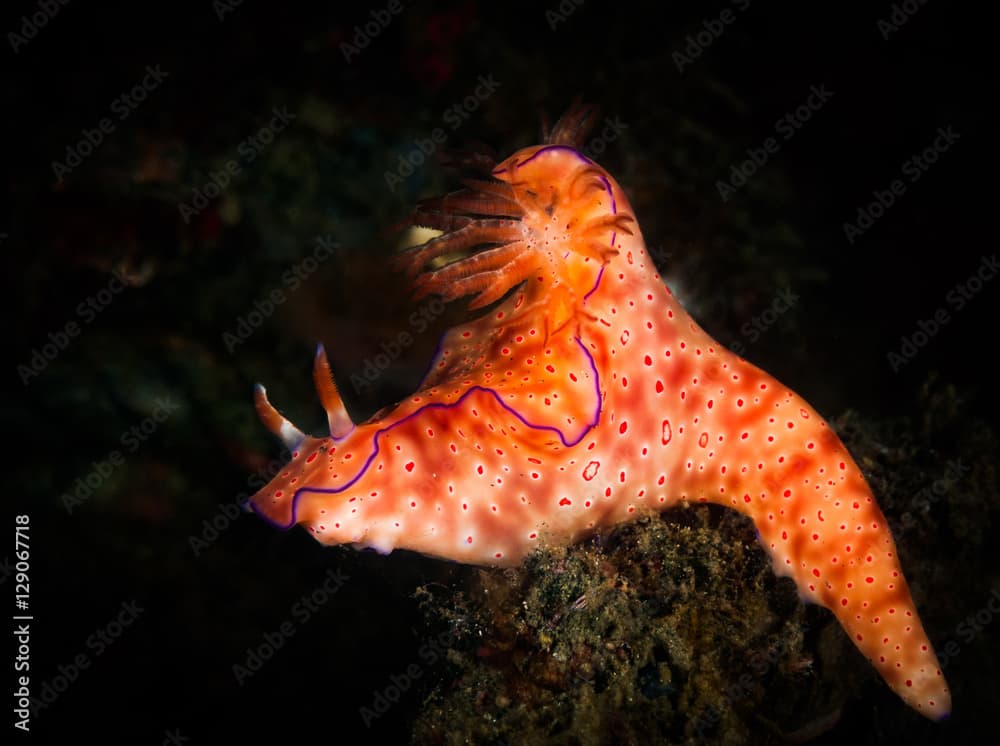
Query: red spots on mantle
[[549, 380]]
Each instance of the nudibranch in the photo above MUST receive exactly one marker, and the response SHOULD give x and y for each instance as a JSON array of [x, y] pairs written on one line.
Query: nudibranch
[[584, 397]]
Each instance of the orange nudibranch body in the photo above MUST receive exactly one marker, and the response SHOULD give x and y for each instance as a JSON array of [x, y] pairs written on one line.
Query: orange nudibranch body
[[587, 397]]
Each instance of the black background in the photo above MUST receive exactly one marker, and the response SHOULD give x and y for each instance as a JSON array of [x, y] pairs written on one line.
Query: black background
[[172, 669]]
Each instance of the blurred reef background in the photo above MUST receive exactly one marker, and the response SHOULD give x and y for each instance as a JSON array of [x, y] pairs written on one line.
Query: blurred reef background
[[195, 194]]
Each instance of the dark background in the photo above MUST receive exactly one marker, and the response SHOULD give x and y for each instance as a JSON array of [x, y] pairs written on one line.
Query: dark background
[[189, 282]]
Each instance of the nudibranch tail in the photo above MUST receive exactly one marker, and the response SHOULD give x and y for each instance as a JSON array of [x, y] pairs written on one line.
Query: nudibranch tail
[[751, 444]]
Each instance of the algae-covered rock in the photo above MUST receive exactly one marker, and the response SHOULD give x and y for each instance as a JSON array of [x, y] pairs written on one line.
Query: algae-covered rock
[[673, 629]]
